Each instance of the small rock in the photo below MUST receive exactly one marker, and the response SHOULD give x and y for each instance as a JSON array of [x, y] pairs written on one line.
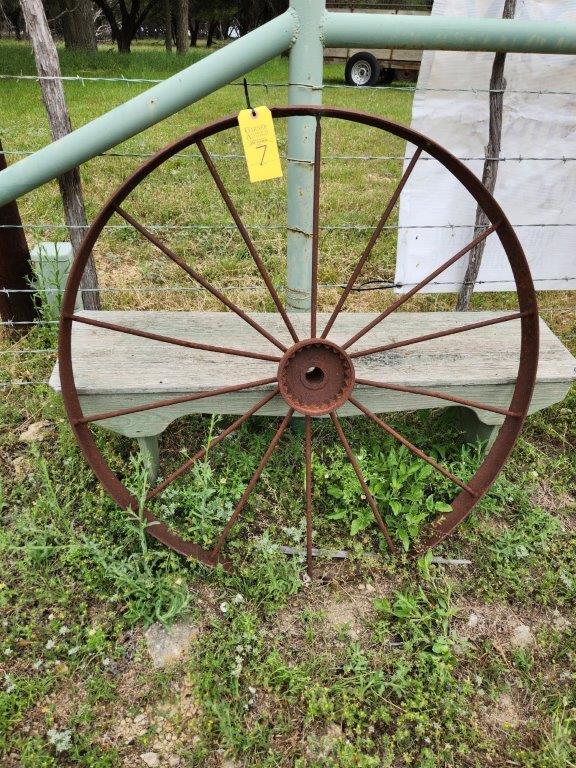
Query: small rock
[[321, 745], [141, 719], [150, 759], [21, 467], [560, 622], [369, 588], [472, 621], [169, 645], [522, 636], [334, 731], [174, 761], [35, 432]]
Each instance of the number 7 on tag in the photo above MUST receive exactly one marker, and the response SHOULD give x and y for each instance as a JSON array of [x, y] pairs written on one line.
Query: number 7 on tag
[[260, 145]]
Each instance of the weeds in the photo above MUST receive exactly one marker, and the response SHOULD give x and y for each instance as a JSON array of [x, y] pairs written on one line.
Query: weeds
[[272, 681]]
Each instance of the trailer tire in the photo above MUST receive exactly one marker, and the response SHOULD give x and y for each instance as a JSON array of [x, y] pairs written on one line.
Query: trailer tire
[[362, 69]]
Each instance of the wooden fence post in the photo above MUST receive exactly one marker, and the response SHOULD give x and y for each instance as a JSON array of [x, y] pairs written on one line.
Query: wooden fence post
[[48, 67], [15, 265], [491, 163]]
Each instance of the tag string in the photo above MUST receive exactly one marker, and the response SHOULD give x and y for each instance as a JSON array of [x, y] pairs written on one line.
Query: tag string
[[247, 95]]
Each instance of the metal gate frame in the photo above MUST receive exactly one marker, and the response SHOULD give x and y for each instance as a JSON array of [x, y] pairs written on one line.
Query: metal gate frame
[[305, 29]]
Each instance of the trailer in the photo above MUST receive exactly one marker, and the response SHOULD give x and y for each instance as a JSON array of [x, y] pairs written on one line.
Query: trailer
[[370, 66]]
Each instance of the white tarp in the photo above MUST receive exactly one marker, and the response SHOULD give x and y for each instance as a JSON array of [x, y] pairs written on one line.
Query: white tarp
[[531, 192]]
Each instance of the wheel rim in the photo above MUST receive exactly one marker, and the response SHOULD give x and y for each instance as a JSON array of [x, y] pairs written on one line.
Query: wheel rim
[[361, 72], [315, 376]]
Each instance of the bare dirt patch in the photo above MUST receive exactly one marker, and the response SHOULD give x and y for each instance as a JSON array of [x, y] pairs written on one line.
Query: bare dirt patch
[[550, 500], [506, 627], [160, 729], [505, 713], [338, 607]]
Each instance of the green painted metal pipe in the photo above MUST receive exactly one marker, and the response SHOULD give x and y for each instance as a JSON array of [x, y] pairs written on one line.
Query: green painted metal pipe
[[150, 107], [448, 34], [306, 74]]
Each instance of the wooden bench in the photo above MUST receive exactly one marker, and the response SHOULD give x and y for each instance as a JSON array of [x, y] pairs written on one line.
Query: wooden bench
[[115, 370]]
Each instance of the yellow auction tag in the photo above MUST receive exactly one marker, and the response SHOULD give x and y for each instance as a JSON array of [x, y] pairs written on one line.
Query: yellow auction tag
[[260, 145]]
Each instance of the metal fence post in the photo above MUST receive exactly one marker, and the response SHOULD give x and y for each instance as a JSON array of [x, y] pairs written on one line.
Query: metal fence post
[[305, 87], [15, 265]]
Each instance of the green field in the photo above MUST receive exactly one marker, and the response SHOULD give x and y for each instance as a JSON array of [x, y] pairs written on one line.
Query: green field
[[378, 661]]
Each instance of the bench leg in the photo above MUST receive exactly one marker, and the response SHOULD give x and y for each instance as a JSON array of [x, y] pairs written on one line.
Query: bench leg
[[297, 425], [473, 428], [151, 454]]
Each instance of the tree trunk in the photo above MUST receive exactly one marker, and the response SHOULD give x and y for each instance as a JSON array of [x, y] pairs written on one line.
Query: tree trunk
[[210, 37], [15, 265], [194, 29], [168, 25], [14, 16], [78, 25], [124, 40], [491, 163], [48, 66], [182, 40]]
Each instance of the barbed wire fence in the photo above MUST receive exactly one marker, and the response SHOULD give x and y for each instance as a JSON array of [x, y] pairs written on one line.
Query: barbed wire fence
[[14, 348]]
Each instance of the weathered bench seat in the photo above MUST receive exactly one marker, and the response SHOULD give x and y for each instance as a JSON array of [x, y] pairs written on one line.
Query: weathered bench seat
[[114, 370]]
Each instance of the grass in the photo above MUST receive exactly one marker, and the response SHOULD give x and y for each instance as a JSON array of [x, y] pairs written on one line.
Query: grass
[[376, 662]]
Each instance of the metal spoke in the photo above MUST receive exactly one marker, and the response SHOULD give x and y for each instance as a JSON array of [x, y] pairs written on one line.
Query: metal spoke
[[439, 395], [309, 490], [315, 229], [234, 426], [372, 242], [171, 339], [175, 401], [246, 237], [440, 334], [198, 277], [369, 498], [411, 447], [403, 299], [250, 487]]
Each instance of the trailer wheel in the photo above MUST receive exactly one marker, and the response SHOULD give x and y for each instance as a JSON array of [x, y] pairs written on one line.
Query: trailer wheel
[[362, 69]]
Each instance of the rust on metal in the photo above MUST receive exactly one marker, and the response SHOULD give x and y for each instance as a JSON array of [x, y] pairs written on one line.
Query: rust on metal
[[247, 239], [198, 277], [436, 335], [372, 242], [176, 400], [413, 291], [439, 395], [411, 447], [315, 376], [369, 498], [218, 439], [309, 493], [253, 480], [172, 339]]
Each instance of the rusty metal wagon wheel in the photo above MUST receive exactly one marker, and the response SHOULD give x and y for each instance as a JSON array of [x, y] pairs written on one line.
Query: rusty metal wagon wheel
[[315, 377]]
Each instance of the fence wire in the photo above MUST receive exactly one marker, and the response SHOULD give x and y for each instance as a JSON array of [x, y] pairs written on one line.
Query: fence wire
[[275, 227], [83, 79], [375, 284], [361, 158]]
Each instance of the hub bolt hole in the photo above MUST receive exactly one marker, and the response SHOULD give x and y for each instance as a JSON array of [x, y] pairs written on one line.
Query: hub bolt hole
[[314, 375]]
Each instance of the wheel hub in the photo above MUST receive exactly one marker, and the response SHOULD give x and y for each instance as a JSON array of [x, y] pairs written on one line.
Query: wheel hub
[[315, 377], [361, 73]]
